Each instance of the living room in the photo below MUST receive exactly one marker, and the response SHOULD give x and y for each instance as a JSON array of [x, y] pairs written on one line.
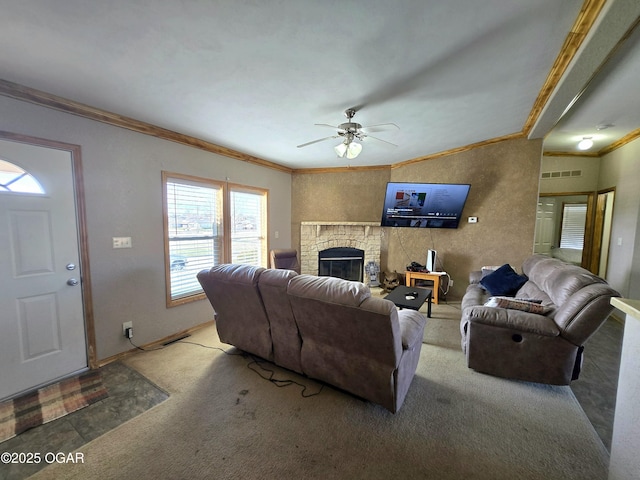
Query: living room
[[122, 188]]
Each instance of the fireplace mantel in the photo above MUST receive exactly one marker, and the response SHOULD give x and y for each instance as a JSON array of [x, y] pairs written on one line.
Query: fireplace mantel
[[366, 225], [316, 236]]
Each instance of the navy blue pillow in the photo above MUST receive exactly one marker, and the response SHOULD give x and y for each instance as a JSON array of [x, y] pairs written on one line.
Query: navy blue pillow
[[503, 282]]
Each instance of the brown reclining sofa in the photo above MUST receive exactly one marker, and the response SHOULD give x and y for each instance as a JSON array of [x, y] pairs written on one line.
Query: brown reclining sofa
[[327, 328]]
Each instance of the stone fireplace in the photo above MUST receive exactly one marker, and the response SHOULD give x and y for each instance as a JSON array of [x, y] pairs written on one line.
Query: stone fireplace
[[318, 236]]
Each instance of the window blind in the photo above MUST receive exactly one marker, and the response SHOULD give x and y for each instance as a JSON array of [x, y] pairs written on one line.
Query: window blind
[[194, 230], [206, 223], [574, 217], [248, 227]]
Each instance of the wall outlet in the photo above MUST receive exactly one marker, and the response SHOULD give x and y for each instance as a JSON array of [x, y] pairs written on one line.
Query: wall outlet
[[451, 282], [122, 242], [127, 329]]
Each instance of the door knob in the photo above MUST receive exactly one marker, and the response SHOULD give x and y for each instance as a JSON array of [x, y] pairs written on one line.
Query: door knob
[[71, 266], [72, 281]]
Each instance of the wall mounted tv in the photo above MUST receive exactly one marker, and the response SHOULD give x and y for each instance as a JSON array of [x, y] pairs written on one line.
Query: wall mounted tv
[[424, 205]]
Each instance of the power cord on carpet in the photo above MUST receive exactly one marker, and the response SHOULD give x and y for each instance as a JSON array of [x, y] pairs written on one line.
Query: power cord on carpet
[[278, 382], [255, 361]]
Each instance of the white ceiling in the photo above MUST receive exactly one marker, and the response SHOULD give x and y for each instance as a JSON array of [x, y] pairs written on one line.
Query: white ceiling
[[256, 76]]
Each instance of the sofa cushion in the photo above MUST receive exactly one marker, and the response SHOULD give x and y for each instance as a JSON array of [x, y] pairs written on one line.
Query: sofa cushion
[[531, 291], [241, 319], [503, 282], [475, 295], [329, 289], [558, 279], [412, 325], [532, 306], [514, 320], [284, 330]]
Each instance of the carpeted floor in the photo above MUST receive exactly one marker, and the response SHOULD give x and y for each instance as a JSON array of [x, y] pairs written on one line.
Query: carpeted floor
[[225, 421]]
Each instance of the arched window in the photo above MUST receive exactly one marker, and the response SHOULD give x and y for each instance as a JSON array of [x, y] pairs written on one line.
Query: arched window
[[15, 179]]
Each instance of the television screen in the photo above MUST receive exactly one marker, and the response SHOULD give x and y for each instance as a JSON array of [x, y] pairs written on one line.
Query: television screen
[[424, 205]]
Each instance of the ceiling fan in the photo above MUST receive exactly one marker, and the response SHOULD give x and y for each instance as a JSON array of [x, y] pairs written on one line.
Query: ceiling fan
[[352, 133]]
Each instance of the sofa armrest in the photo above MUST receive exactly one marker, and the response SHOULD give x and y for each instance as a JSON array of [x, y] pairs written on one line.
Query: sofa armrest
[[512, 319], [475, 276], [412, 325]]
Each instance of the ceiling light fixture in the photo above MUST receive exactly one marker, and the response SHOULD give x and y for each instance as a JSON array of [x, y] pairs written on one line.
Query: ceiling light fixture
[[354, 150], [585, 144], [341, 149], [349, 147]]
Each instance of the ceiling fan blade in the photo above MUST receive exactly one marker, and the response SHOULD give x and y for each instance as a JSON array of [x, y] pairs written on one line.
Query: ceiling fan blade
[[333, 127], [319, 140], [379, 140], [381, 127]]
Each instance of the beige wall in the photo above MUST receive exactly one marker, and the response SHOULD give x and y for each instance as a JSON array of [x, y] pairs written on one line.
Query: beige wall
[[504, 190], [621, 169], [587, 182], [123, 195], [352, 196]]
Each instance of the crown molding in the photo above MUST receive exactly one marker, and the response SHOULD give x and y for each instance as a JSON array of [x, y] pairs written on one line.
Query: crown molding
[[628, 138], [581, 27], [570, 154], [38, 97]]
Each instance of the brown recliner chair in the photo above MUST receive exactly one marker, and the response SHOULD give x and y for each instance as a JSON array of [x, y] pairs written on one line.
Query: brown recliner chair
[[285, 258]]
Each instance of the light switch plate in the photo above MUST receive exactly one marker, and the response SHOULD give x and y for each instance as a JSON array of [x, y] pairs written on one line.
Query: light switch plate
[[473, 219]]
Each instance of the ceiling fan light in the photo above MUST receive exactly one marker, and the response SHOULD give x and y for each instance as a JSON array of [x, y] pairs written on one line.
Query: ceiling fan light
[[354, 150], [341, 149], [585, 144]]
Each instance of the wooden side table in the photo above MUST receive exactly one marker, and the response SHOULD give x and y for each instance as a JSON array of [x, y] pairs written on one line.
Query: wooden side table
[[411, 277]]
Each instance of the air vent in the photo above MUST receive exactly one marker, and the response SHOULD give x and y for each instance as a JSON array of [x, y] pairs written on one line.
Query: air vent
[[562, 174]]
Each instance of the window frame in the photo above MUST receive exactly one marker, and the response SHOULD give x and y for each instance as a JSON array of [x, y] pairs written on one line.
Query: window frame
[[226, 250], [234, 187], [34, 187]]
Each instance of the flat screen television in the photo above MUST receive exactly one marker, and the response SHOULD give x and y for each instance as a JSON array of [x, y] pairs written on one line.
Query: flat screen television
[[424, 205]]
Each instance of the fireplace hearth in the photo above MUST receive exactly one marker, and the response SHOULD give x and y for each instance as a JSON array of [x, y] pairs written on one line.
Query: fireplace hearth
[[342, 262]]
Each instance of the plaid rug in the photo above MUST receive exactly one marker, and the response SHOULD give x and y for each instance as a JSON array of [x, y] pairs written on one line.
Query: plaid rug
[[49, 403]]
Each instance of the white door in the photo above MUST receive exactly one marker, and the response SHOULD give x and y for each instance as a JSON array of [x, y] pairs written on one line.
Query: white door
[[42, 328], [545, 225]]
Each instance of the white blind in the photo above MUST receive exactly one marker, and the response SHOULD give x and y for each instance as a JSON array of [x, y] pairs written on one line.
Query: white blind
[[248, 227], [574, 217], [194, 215]]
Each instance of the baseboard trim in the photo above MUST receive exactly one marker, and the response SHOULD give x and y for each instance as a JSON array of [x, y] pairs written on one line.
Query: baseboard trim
[[157, 343], [620, 319]]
